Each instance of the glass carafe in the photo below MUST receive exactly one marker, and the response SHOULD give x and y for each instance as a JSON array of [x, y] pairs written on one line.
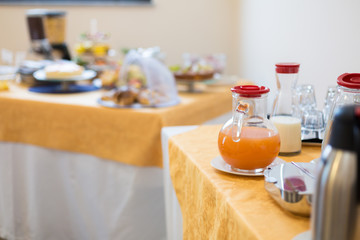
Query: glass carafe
[[348, 93], [249, 142], [286, 115]]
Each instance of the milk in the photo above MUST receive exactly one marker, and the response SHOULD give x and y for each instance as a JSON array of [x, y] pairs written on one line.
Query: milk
[[290, 133]]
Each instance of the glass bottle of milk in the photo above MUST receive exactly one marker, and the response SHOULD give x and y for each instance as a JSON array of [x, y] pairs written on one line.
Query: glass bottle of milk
[[285, 115]]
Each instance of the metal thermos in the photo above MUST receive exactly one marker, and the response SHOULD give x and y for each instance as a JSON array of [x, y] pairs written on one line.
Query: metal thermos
[[336, 207]]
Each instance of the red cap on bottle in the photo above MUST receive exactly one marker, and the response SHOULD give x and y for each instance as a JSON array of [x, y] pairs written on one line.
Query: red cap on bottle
[[349, 80], [250, 90], [287, 67]]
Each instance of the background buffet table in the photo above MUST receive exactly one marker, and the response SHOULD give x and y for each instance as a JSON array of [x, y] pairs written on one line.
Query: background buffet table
[[216, 205], [76, 123], [72, 169]]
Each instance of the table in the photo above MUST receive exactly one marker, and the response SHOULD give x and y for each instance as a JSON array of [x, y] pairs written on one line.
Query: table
[[216, 205], [72, 169], [114, 134]]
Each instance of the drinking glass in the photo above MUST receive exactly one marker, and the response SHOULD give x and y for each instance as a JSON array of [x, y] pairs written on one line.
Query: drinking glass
[[329, 101], [313, 120], [305, 96]]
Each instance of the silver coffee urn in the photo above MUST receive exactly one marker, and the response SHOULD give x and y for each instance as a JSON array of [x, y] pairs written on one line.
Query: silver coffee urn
[[336, 206]]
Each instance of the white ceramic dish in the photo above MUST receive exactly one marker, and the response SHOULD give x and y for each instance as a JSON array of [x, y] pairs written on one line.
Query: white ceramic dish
[[219, 164], [303, 236], [86, 75]]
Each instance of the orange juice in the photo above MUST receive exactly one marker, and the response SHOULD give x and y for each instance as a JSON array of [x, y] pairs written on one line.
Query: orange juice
[[257, 148]]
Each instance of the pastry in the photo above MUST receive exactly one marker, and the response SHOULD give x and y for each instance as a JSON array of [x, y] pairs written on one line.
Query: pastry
[[124, 98], [109, 77], [148, 97], [63, 70], [196, 72]]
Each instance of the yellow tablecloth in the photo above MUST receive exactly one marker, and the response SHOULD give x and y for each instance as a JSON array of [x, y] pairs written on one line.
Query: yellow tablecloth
[[216, 205], [76, 123]]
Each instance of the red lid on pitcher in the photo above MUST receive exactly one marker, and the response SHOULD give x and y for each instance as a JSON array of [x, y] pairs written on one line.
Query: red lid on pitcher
[[349, 80], [250, 90], [287, 67]]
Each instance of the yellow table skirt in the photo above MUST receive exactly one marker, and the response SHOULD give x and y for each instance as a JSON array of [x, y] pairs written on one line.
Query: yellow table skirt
[[76, 123], [217, 205]]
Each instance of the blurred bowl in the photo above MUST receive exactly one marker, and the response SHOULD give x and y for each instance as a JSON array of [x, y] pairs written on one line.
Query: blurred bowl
[[7, 72], [290, 187], [26, 70]]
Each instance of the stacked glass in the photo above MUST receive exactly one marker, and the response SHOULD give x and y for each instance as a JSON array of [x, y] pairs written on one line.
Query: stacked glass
[[312, 119]]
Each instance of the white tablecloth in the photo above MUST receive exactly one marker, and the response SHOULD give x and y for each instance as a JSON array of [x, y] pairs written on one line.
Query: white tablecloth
[[50, 194], [172, 206]]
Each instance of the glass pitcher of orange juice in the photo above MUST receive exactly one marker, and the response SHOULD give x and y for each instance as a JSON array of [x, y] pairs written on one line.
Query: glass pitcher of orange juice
[[249, 142]]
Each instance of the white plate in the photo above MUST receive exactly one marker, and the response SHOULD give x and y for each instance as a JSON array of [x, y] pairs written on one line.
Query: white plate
[[303, 236], [316, 160], [86, 75], [7, 72], [219, 164]]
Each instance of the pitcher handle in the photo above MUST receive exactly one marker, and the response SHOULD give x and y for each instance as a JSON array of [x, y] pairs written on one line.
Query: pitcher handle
[[239, 114]]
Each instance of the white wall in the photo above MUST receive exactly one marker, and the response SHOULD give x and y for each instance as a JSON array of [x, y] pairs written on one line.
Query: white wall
[[177, 26], [322, 35]]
